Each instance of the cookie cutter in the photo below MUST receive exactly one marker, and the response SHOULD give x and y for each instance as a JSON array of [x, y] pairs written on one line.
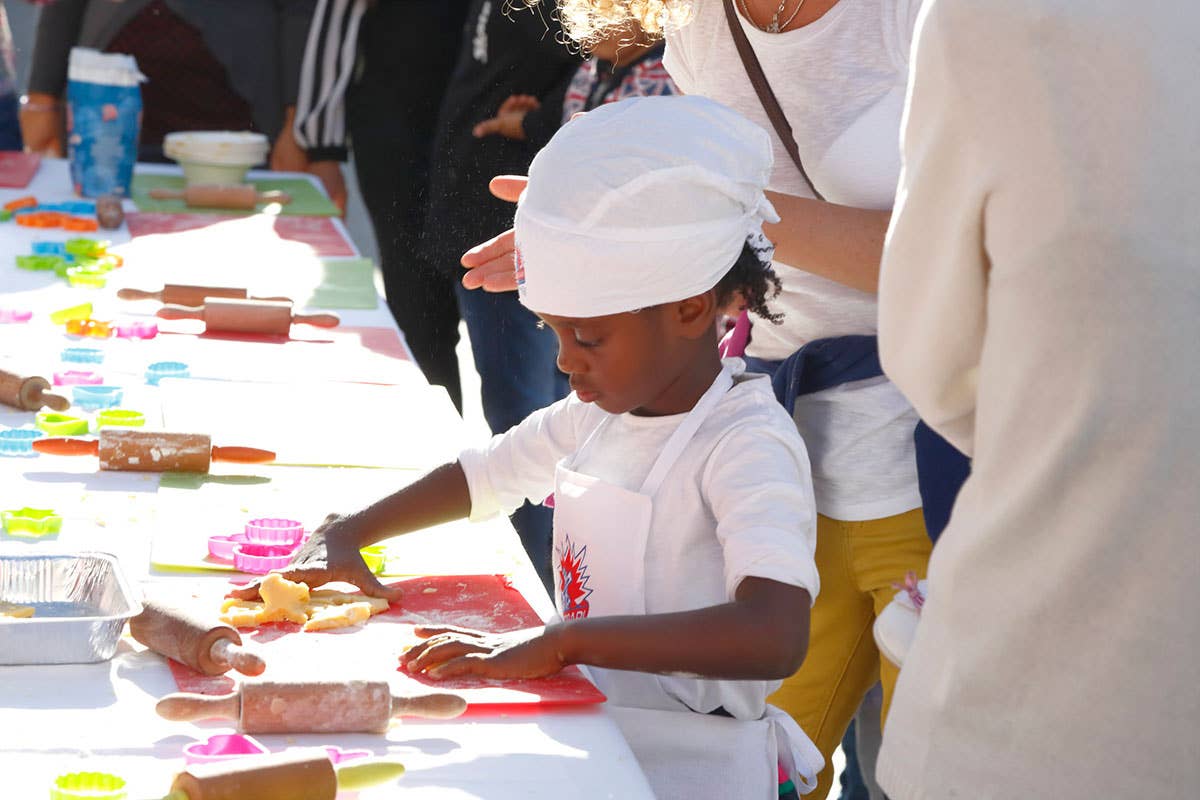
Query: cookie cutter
[[48, 249], [221, 547], [57, 424], [95, 398], [89, 327], [375, 557], [82, 224], [85, 277], [259, 559], [137, 330], [88, 786], [75, 377], [28, 201], [18, 441], [82, 355], [31, 523], [120, 418], [165, 369], [15, 315], [40, 263], [71, 206], [274, 531], [222, 747], [81, 311], [83, 246]]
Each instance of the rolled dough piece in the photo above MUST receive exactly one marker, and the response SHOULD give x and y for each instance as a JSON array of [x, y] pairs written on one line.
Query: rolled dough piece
[[285, 601]]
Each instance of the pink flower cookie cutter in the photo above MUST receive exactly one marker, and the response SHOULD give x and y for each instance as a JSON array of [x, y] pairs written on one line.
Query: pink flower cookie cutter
[[75, 377], [259, 559], [221, 547], [9, 315], [274, 531], [137, 329]]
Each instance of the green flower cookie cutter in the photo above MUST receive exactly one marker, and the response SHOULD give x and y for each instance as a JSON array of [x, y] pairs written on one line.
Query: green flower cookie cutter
[[57, 424], [120, 418], [31, 523], [375, 557], [88, 786]]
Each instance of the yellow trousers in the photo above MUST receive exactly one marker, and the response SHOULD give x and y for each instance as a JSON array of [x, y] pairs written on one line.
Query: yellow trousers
[[858, 562]]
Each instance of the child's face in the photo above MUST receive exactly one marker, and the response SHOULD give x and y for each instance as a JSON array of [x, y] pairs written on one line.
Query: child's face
[[620, 362]]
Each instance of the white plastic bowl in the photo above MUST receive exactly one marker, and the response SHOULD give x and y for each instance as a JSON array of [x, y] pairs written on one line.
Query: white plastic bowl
[[216, 157]]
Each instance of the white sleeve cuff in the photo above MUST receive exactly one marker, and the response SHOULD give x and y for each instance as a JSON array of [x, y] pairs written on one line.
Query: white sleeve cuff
[[484, 502], [757, 554]]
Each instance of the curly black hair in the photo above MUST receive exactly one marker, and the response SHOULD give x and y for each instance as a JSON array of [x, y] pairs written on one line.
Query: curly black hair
[[753, 277]]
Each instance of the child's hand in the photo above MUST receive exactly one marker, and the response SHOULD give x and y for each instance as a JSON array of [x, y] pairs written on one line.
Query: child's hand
[[509, 120], [449, 652], [331, 554]]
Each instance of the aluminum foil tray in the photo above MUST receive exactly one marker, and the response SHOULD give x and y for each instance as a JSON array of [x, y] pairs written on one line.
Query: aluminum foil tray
[[81, 602]]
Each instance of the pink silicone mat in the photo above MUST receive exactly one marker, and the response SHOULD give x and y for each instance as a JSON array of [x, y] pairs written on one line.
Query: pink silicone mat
[[319, 233], [482, 602]]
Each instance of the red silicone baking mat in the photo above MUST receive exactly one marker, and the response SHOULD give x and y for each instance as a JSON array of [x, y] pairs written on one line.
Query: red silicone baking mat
[[482, 602]]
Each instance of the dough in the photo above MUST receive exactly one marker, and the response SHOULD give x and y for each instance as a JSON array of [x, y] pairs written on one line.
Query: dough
[[14, 611], [285, 601]]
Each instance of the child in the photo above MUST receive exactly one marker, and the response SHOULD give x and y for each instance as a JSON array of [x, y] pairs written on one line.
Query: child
[[684, 521], [624, 65]]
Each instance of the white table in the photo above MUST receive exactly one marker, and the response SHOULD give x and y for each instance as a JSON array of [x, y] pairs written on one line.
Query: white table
[[56, 719]]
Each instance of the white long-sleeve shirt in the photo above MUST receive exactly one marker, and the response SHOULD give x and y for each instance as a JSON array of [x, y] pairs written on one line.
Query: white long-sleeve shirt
[[1040, 306]]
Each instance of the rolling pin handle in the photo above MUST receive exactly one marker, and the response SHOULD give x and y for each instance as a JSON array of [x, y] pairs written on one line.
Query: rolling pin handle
[[275, 196], [171, 311], [138, 294], [433, 706], [59, 446], [317, 320], [242, 455], [55, 401], [225, 651], [182, 707]]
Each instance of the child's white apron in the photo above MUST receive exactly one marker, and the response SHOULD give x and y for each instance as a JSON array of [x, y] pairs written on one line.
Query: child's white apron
[[600, 536]]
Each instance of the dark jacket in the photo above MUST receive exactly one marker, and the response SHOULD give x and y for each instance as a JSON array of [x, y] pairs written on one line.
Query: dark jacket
[[259, 42]]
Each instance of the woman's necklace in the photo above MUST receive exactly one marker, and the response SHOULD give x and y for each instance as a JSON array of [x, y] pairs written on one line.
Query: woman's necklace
[[775, 26]]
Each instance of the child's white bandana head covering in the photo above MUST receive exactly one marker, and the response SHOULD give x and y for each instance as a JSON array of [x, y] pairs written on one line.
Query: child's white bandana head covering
[[640, 202]]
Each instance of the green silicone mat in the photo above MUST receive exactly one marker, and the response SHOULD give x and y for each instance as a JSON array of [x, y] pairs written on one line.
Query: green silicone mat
[[307, 199]]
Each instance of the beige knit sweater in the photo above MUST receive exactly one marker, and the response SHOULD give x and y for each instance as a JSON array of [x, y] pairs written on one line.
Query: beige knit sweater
[[1040, 306]]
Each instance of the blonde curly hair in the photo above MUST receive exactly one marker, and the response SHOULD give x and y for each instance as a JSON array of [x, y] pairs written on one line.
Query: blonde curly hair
[[590, 21]]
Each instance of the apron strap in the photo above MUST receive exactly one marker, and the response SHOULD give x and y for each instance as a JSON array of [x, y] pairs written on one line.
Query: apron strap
[[686, 430]]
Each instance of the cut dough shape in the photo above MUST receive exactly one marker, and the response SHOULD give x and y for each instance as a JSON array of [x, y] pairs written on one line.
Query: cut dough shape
[[14, 611], [285, 601]]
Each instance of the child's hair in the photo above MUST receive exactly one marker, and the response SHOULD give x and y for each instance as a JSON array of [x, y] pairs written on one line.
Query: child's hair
[[588, 21], [752, 276]]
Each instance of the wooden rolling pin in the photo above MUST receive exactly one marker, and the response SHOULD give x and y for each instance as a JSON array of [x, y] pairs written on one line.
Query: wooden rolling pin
[[204, 645], [29, 394], [244, 196], [248, 316], [291, 775], [132, 450], [264, 706], [186, 295]]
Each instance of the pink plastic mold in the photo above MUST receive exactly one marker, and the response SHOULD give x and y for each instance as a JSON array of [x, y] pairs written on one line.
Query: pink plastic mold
[[274, 530], [222, 747], [259, 559], [221, 547], [75, 377], [137, 329], [8, 315]]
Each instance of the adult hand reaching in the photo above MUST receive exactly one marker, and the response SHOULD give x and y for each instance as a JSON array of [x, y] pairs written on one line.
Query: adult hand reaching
[[329, 555], [490, 265]]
